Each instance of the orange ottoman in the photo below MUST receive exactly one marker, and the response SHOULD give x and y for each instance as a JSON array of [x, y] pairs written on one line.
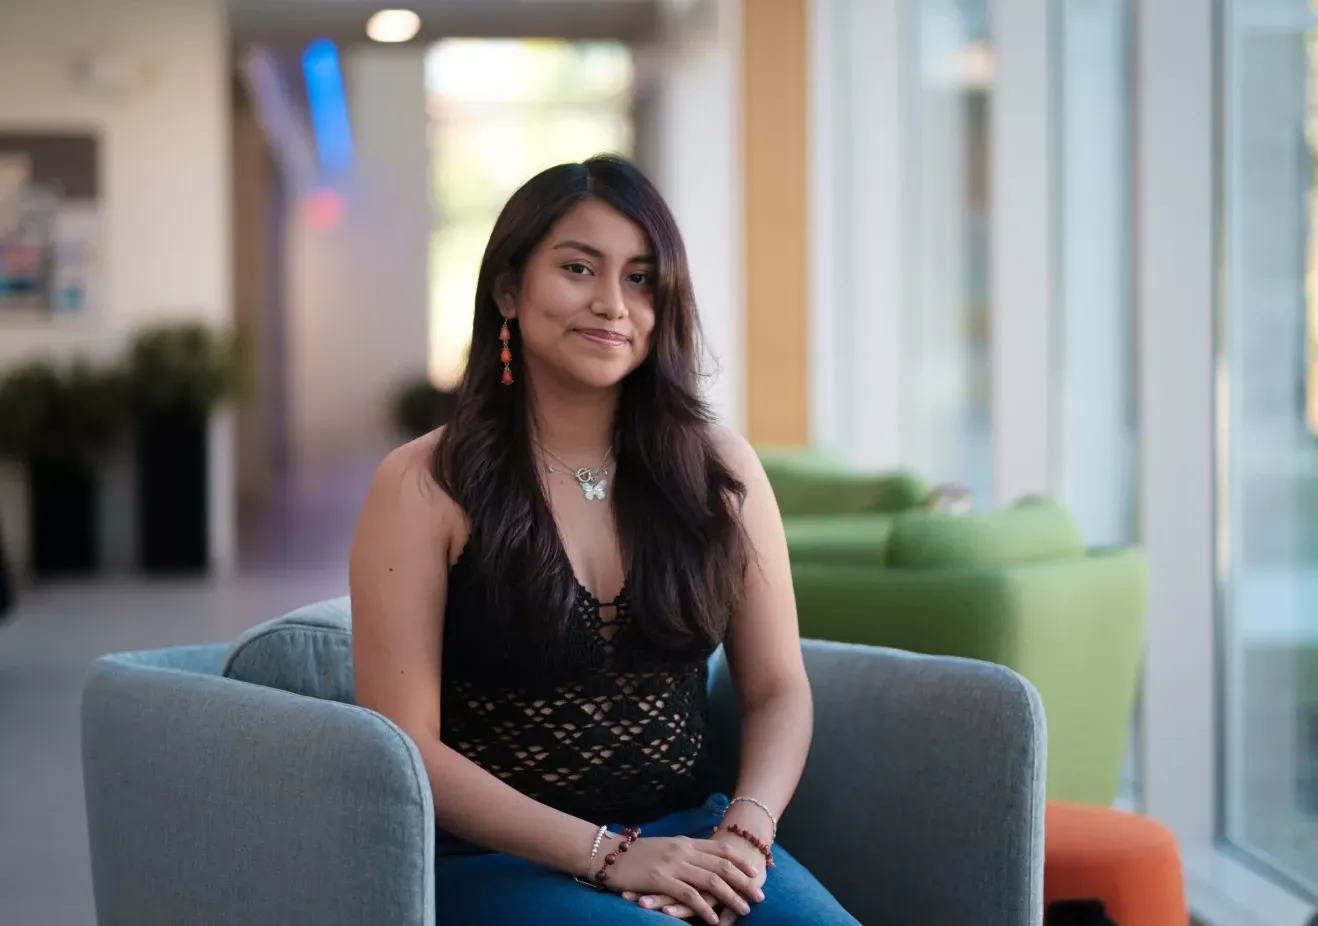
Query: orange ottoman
[[1129, 863]]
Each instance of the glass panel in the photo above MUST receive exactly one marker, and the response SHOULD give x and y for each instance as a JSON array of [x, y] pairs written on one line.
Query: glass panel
[[501, 110], [1096, 330], [1268, 459], [1097, 326], [947, 425]]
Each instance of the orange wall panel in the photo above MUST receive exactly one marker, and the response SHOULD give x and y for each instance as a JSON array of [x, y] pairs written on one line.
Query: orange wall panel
[[777, 345]]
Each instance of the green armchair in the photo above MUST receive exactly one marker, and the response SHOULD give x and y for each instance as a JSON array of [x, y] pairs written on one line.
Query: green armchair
[[874, 562]]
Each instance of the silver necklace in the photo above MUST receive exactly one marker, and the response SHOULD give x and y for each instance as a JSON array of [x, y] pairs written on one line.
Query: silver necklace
[[592, 481]]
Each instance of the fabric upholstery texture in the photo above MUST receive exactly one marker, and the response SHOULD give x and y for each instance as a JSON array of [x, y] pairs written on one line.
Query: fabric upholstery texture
[[212, 800], [307, 652]]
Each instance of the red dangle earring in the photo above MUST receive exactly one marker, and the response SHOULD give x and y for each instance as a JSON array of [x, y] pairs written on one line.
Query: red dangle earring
[[506, 356]]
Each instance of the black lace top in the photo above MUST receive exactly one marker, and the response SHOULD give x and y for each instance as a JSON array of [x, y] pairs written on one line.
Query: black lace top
[[617, 735]]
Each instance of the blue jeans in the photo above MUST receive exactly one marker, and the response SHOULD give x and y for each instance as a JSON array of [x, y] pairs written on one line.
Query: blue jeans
[[498, 890]]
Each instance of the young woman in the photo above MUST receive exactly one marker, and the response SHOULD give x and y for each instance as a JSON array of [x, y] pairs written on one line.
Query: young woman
[[537, 589]]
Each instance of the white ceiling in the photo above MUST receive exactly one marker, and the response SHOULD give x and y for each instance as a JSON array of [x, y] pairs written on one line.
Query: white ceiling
[[297, 20]]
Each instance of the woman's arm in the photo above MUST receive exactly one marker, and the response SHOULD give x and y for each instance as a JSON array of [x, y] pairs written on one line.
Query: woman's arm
[[398, 575], [763, 647]]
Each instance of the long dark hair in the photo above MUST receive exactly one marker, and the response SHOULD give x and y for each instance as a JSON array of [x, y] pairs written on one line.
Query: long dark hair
[[676, 505]]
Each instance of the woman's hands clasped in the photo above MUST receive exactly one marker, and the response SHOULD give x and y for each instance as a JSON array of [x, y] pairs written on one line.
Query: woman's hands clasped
[[696, 873], [747, 859]]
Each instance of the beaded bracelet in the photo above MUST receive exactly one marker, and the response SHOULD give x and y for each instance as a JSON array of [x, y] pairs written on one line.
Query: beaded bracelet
[[629, 836], [600, 835], [760, 804], [750, 837]]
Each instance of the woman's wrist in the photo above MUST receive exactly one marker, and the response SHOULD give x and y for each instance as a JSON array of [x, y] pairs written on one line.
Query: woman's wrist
[[575, 845], [762, 807], [748, 819], [747, 838], [753, 817]]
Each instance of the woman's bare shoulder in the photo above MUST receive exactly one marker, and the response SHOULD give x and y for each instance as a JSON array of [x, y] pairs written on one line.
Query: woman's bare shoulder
[[735, 451], [404, 496]]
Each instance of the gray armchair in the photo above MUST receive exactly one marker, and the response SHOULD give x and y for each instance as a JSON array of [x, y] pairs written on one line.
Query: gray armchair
[[239, 784]]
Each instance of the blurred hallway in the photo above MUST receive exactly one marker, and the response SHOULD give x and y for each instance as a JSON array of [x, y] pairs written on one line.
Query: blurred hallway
[[306, 525]]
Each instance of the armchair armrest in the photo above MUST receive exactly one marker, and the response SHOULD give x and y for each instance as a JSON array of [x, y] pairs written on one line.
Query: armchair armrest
[[213, 801], [923, 797]]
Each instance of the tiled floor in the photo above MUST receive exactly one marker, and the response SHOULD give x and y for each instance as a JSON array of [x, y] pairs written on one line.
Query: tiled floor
[[299, 555]]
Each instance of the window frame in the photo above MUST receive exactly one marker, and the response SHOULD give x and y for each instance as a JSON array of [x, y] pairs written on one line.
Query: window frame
[[1182, 380]]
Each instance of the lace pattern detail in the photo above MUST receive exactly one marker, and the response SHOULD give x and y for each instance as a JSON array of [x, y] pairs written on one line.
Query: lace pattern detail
[[587, 743], [622, 732]]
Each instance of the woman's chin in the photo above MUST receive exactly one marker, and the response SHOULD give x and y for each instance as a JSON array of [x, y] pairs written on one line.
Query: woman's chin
[[587, 373], [602, 381], [599, 375]]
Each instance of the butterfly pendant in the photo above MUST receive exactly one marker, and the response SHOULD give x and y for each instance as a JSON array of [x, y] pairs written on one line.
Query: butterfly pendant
[[594, 490]]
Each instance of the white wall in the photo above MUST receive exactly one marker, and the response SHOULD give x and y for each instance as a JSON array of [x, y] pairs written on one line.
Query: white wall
[[164, 181], [698, 168], [358, 293]]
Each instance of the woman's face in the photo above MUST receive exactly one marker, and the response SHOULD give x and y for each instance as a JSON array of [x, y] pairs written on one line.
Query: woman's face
[[585, 304]]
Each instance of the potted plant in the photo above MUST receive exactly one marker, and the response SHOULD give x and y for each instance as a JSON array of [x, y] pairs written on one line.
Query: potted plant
[[417, 407], [56, 420], [178, 374]]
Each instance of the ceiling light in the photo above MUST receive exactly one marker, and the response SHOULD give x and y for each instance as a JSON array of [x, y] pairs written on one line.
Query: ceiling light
[[978, 65], [393, 26]]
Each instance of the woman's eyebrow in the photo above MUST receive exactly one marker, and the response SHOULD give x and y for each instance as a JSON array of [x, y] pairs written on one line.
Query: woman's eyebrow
[[584, 248]]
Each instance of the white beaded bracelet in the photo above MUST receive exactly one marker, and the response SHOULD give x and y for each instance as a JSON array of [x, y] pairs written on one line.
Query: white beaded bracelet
[[760, 804], [600, 836]]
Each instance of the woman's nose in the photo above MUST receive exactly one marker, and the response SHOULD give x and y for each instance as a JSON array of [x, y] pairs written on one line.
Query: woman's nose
[[609, 303]]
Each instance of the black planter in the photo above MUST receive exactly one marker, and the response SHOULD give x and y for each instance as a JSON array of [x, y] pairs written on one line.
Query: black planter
[[172, 491], [7, 593], [64, 518]]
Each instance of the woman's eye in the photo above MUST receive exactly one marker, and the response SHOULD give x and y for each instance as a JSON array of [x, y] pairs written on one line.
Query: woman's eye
[[576, 268], [640, 279]]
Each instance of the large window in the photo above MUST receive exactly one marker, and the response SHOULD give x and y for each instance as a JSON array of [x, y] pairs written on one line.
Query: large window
[[1096, 340], [947, 424], [1268, 457], [501, 110], [1094, 193]]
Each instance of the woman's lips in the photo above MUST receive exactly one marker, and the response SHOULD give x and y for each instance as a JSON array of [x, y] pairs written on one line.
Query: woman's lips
[[601, 337]]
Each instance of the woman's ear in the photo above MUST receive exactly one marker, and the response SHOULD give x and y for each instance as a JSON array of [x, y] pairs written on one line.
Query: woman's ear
[[505, 295]]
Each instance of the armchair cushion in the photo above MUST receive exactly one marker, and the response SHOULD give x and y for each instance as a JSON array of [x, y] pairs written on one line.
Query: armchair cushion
[[811, 482], [845, 540], [1033, 529], [307, 652]]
